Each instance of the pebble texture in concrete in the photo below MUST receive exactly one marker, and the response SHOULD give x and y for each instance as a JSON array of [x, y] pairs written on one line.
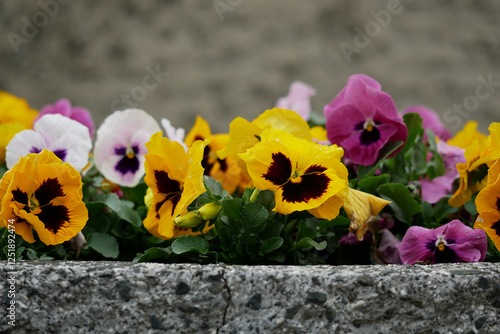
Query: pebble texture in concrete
[[113, 297]]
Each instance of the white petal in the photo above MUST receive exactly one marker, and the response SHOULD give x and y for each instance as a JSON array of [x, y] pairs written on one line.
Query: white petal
[[54, 126], [174, 134], [22, 144]]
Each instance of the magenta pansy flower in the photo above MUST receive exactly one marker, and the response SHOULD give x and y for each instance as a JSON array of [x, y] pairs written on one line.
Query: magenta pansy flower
[[298, 99], [68, 139], [362, 119], [120, 145], [453, 242], [430, 120], [63, 107]]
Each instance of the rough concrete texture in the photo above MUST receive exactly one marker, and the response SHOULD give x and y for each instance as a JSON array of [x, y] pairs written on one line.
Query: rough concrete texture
[[113, 297], [228, 58]]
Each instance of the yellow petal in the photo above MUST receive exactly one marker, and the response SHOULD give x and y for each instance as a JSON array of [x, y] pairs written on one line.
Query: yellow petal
[[360, 208], [467, 135]]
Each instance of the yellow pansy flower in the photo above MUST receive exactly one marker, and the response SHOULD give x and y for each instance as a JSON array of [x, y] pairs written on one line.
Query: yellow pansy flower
[[304, 175], [41, 192], [175, 178], [479, 154], [488, 205], [244, 134], [225, 170]]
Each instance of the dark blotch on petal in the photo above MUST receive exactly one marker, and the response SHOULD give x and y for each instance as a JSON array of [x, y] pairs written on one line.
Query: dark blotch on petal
[[447, 255], [370, 137], [280, 170], [165, 185], [54, 217], [311, 186], [207, 167], [496, 227], [48, 190], [120, 150], [35, 150], [359, 126], [61, 154], [223, 164], [315, 169], [127, 165], [20, 196], [498, 203], [431, 245]]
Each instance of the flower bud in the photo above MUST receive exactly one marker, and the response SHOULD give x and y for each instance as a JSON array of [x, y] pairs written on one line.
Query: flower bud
[[254, 195], [188, 220], [209, 211]]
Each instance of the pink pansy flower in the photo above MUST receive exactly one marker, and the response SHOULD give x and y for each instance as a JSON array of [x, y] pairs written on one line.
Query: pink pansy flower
[[430, 120], [63, 107], [298, 99], [434, 190], [362, 119], [453, 242], [174, 134], [68, 139], [120, 145]]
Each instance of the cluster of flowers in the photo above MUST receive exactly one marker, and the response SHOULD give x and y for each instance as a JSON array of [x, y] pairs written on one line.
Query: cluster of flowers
[[405, 186]]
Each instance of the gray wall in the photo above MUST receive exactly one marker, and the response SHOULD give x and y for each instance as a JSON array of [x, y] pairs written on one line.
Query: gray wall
[[240, 61]]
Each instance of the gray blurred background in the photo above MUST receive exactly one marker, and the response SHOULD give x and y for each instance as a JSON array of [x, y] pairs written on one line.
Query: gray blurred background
[[228, 58]]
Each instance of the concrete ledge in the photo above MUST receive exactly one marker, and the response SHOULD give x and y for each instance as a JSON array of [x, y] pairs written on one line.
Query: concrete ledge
[[117, 297]]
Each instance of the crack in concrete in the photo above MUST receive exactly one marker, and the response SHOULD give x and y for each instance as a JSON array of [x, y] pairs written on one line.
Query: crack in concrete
[[226, 288]]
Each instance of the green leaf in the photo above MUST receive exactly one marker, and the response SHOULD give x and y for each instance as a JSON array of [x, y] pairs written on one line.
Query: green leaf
[[338, 221], [308, 242], [153, 253], [190, 243], [442, 209], [371, 183], [232, 208], [253, 215], [214, 188], [104, 244], [305, 231], [110, 200], [470, 206], [427, 212], [128, 214], [266, 198], [270, 245], [413, 122], [403, 204]]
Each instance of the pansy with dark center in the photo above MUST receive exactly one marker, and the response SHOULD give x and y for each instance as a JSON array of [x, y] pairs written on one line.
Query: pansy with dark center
[[175, 178], [277, 163], [120, 146], [452, 242], [45, 195], [362, 119]]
